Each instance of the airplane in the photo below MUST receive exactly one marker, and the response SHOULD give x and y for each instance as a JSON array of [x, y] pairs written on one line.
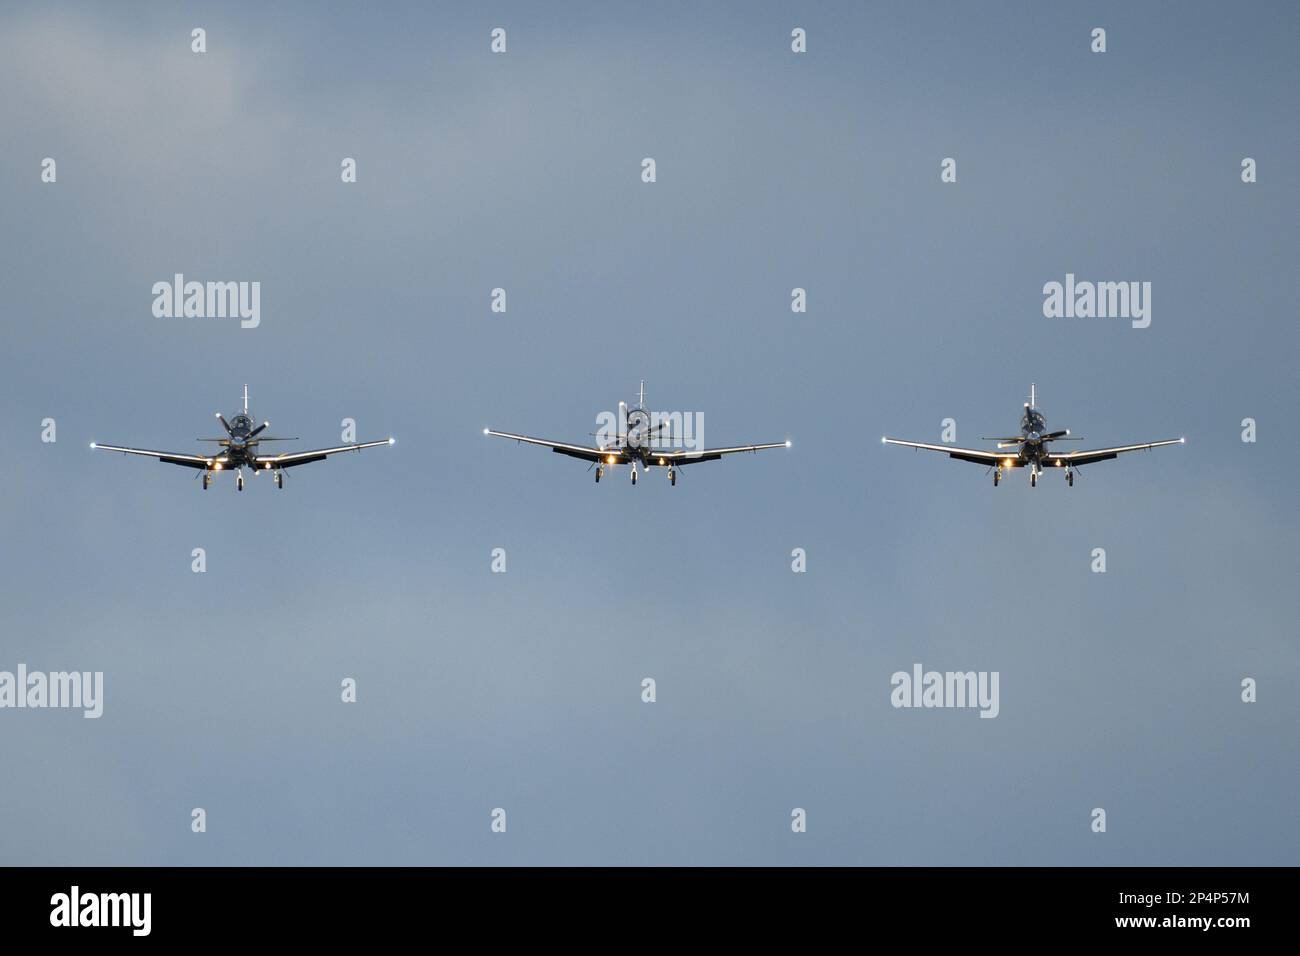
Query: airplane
[[239, 450], [634, 447], [1031, 448]]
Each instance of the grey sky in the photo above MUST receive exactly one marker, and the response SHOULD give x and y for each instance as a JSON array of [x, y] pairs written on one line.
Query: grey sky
[[479, 690]]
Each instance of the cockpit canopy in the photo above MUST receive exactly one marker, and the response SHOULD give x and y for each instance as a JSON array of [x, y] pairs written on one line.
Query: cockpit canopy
[[1033, 420]]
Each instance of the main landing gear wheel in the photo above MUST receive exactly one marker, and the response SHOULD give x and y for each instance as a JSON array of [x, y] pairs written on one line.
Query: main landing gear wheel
[[279, 479], [1069, 478], [997, 476], [599, 471], [672, 477], [207, 480]]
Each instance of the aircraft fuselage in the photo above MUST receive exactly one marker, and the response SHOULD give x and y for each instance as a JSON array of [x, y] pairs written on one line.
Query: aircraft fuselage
[[241, 450], [1033, 426]]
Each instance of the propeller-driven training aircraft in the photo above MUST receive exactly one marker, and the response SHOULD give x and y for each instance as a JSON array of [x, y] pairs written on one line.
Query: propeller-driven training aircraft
[[636, 443], [1031, 448], [239, 450]]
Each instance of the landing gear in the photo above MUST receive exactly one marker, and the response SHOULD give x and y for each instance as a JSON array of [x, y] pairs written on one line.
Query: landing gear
[[1069, 477], [239, 481], [634, 474], [672, 476], [207, 480], [279, 479], [1033, 478], [997, 476]]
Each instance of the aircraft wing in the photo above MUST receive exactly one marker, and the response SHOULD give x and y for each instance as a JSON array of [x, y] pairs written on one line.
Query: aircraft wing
[[292, 459], [168, 457], [1101, 454], [1007, 459], [584, 452], [684, 456]]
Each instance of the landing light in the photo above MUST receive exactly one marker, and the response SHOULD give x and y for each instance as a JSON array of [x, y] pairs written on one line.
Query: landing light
[[1008, 462], [216, 466], [609, 460]]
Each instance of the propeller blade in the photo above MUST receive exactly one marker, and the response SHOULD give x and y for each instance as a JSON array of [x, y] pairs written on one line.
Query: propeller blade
[[224, 424], [258, 430], [1052, 436]]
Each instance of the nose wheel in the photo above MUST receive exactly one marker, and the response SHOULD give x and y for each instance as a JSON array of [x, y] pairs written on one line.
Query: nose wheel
[[634, 474], [1033, 478], [239, 481]]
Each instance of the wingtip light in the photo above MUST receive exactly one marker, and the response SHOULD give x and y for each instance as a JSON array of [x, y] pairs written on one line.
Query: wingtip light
[[92, 444]]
